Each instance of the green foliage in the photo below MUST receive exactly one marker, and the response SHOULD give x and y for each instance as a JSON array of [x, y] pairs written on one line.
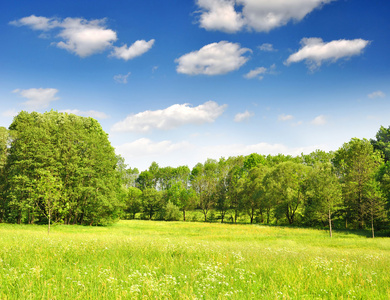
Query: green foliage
[[78, 152]]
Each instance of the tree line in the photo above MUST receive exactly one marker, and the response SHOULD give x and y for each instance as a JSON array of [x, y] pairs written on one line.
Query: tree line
[[59, 167]]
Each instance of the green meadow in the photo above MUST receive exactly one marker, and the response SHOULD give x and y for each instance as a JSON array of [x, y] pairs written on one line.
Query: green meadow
[[189, 260]]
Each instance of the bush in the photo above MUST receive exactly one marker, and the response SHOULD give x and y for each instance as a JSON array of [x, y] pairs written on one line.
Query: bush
[[172, 212]]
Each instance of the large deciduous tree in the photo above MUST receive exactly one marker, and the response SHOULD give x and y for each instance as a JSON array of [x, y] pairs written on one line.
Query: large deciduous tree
[[74, 148]]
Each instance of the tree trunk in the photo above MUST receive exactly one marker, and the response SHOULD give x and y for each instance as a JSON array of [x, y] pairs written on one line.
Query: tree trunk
[[184, 215], [330, 223], [372, 225]]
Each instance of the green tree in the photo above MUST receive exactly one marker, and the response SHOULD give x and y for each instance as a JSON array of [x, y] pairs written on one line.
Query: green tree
[[151, 202], [133, 203], [285, 187], [356, 163], [78, 151], [323, 194], [382, 142], [374, 205]]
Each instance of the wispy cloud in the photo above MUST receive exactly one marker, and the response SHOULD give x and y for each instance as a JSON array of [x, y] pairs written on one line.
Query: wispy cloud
[[376, 94], [122, 78], [240, 117], [213, 59], [170, 118], [319, 120], [259, 72], [315, 51], [38, 98], [267, 47], [284, 117]]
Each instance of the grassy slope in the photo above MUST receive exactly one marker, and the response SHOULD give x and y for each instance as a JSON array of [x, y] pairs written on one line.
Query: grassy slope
[[177, 260]]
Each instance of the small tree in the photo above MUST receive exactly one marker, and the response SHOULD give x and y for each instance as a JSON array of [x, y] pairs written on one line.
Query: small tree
[[374, 203], [48, 194]]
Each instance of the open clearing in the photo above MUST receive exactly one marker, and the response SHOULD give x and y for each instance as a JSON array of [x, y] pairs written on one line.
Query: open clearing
[[184, 260]]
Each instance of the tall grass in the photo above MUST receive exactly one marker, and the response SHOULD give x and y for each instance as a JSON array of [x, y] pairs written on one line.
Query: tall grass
[[178, 260]]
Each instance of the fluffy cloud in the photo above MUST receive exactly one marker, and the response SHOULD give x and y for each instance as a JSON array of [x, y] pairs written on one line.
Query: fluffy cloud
[[319, 120], [84, 37], [376, 94], [38, 98], [220, 15], [314, 51], [136, 49], [243, 116], [122, 78], [213, 59], [171, 117], [284, 117], [90, 113], [260, 15]]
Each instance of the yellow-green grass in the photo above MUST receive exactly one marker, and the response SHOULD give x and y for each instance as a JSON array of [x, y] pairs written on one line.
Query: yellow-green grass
[[186, 260]]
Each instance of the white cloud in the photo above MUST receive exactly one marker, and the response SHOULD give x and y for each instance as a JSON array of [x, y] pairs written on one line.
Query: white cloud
[[314, 51], [90, 113], [171, 117], [220, 15], [213, 59], [319, 120], [243, 116], [136, 49], [377, 94], [84, 37], [284, 117], [260, 15], [122, 78], [38, 98], [36, 23], [255, 73], [267, 47]]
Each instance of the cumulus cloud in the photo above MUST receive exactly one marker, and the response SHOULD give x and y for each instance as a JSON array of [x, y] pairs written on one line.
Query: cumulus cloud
[[136, 49], [284, 117], [319, 120], [89, 113], [84, 37], [240, 117], [38, 98], [170, 118], [122, 78], [376, 94], [260, 15], [315, 51], [267, 47], [213, 59], [220, 15]]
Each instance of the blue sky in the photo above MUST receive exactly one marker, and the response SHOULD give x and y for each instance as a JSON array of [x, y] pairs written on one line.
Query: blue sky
[[177, 82]]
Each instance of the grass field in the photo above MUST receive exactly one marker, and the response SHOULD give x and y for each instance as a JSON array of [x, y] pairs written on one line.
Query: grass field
[[182, 260]]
